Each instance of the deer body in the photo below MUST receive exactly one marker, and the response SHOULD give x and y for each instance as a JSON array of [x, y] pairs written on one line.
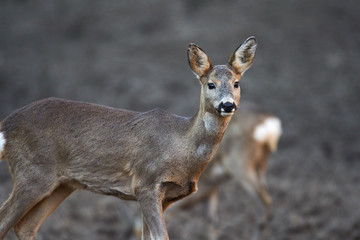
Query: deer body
[[110, 147], [56, 146]]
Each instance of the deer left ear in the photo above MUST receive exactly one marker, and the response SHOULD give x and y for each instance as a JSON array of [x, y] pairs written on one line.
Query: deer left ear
[[243, 56], [199, 62]]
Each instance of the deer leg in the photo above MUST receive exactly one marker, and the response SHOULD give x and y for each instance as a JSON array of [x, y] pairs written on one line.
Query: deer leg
[[28, 226], [146, 234], [260, 223], [154, 227], [21, 200], [261, 187], [212, 215], [264, 203], [213, 206]]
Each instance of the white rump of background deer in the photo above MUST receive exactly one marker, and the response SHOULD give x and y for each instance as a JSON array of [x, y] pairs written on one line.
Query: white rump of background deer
[[250, 138], [54, 147]]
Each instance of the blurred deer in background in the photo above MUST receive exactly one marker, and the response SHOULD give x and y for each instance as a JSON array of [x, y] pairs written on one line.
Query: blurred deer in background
[[250, 138], [54, 147]]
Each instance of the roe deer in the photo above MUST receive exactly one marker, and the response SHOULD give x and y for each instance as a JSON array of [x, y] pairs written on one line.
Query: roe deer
[[250, 138], [55, 146]]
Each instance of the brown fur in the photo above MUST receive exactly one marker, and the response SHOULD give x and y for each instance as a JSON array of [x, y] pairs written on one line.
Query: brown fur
[[56, 146]]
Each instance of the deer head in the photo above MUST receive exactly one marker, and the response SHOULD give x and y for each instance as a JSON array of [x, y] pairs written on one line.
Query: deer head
[[220, 89]]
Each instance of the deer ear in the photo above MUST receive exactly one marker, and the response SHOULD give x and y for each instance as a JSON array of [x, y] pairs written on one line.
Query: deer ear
[[198, 60], [243, 56]]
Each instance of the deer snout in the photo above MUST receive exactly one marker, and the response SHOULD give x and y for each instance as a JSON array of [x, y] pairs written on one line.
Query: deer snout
[[227, 107]]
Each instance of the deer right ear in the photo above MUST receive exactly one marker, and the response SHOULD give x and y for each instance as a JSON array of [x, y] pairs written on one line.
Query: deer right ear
[[198, 60]]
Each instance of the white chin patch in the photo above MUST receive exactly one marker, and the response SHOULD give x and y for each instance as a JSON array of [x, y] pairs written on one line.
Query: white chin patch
[[2, 142], [226, 114]]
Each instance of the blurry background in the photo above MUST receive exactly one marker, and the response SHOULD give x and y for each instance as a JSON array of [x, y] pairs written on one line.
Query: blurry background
[[132, 54]]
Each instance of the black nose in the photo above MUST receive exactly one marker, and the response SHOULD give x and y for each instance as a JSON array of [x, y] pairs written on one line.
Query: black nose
[[227, 107]]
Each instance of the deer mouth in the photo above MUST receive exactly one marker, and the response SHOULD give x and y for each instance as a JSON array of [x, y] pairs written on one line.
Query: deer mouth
[[226, 114]]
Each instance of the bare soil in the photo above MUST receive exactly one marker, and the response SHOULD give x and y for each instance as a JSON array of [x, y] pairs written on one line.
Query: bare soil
[[132, 54]]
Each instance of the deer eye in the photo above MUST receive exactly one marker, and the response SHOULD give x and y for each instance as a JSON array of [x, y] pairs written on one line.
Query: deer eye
[[236, 85], [211, 85]]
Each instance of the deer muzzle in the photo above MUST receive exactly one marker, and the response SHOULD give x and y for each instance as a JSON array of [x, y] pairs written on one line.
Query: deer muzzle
[[227, 108]]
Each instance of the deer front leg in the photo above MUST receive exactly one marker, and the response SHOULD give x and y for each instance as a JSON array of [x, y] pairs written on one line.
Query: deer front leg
[[146, 234], [154, 227]]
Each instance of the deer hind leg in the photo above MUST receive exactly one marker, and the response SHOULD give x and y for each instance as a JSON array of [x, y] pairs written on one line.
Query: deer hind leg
[[264, 204], [261, 188], [21, 200], [28, 226], [255, 185], [213, 215], [266, 201], [263, 213]]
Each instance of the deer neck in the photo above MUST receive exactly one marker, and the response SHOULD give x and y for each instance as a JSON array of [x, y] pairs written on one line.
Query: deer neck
[[207, 129], [202, 139]]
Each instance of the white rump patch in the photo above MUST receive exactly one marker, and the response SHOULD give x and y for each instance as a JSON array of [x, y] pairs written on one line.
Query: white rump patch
[[2, 142], [270, 130]]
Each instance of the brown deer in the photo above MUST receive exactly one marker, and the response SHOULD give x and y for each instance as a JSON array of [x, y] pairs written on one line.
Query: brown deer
[[54, 147]]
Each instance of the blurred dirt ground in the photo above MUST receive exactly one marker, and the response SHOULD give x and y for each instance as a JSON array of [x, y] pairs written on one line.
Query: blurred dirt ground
[[132, 54]]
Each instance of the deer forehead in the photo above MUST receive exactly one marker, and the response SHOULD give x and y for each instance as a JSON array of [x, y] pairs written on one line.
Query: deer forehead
[[222, 74]]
